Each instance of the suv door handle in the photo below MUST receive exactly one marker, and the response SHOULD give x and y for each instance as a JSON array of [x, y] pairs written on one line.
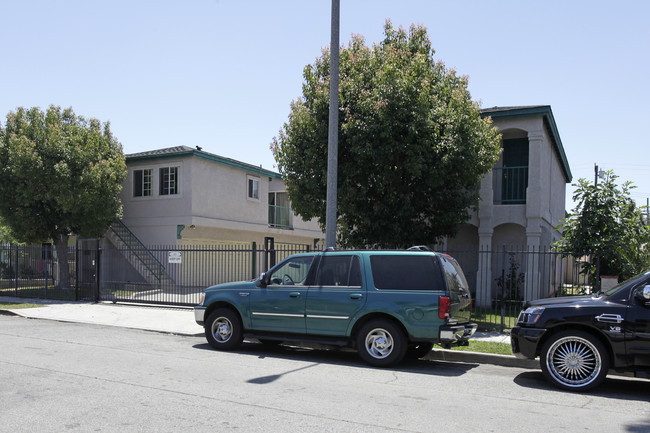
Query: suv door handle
[[356, 296], [294, 294]]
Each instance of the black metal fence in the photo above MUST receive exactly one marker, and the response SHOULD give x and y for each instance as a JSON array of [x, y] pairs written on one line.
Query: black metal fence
[[500, 280], [184, 271], [29, 271]]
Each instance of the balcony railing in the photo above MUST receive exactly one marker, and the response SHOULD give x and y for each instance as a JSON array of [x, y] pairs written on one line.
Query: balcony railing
[[280, 216], [510, 185]]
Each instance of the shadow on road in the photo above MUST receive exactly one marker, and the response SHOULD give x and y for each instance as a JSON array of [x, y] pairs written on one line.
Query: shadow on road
[[621, 388], [339, 356]]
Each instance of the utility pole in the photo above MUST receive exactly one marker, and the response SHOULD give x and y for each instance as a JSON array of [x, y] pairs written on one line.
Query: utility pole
[[333, 131], [595, 174]]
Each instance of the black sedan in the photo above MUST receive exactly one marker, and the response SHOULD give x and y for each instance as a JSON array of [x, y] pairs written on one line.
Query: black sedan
[[578, 339]]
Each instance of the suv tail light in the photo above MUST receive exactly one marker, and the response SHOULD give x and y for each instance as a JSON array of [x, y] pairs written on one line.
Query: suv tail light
[[444, 307]]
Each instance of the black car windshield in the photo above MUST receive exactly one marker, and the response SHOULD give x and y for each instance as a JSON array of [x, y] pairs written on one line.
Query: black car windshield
[[617, 287]]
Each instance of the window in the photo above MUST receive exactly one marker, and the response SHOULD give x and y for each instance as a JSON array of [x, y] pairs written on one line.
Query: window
[[280, 214], [407, 272], [142, 182], [511, 180], [169, 181], [339, 271], [253, 188], [292, 272], [454, 275]]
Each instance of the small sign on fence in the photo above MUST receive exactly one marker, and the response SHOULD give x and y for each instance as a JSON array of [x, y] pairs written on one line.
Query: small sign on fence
[[175, 257]]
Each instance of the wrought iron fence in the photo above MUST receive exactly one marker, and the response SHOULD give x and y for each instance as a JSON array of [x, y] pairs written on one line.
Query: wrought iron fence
[[188, 270], [29, 271], [500, 280]]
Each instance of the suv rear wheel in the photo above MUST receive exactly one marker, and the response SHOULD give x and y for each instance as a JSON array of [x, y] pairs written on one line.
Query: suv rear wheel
[[381, 343], [574, 360]]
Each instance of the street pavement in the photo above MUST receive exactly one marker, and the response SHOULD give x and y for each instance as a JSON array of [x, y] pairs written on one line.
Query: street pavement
[[180, 321]]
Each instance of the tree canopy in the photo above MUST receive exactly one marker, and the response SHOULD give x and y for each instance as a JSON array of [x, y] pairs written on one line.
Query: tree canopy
[[607, 224], [60, 174], [412, 144]]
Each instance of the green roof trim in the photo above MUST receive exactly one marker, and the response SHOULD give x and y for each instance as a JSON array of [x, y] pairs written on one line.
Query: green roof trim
[[188, 152], [546, 113]]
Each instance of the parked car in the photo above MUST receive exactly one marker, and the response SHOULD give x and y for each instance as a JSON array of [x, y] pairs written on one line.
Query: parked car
[[578, 339], [386, 304]]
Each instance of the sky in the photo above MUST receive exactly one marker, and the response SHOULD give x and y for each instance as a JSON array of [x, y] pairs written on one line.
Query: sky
[[221, 74]]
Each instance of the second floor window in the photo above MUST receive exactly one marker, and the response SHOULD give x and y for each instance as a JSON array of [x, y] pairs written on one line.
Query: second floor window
[[169, 181], [253, 188], [142, 180], [280, 214]]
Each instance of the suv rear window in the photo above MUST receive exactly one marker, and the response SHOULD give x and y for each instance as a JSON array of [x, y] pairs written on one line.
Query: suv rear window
[[401, 272], [455, 278]]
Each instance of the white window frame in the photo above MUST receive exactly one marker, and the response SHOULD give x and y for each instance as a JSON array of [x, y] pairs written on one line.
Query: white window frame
[[173, 180], [145, 184], [252, 193]]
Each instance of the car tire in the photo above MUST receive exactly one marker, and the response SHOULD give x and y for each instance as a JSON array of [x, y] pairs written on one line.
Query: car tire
[[223, 329], [418, 350], [381, 343], [574, 360]]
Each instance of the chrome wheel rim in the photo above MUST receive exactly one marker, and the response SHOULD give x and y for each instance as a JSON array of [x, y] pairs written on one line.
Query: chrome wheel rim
[[573, 361], [379, 343], [222, 329]]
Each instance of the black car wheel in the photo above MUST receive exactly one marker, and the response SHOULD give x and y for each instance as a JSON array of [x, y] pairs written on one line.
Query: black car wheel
[[381, 343], [574, 360], [223, 329]]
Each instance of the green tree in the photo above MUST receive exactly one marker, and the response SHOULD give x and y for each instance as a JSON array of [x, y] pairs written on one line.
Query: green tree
[[412, 144], [60, 174], [607, 224], [5, 236]]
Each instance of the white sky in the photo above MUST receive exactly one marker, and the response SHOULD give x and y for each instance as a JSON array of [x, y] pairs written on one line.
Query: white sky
[[221, 73]]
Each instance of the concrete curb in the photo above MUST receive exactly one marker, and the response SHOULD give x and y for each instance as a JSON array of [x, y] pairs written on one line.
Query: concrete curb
[[482, 358]]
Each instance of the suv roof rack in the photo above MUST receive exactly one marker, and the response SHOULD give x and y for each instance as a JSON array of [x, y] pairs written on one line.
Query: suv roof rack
[[419, 248]]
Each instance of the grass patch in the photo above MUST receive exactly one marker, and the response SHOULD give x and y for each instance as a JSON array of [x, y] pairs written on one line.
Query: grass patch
[[16, 306], [486, 347]]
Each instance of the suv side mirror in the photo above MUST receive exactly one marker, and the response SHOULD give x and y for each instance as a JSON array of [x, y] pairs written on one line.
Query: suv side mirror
[[643, 293], [646, 292], [262, 281]]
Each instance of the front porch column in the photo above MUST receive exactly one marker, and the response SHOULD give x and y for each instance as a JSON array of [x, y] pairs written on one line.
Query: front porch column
[[532, 289]]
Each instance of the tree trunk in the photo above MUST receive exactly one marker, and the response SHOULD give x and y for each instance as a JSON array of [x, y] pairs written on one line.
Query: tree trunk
[[61, 247]]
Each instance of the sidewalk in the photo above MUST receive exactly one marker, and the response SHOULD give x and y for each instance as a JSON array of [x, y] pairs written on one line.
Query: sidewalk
[[180, 321]]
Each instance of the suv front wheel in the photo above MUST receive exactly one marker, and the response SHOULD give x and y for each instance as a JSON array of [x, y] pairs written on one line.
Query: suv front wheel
[[223, 329], [381, 343], [574, 360]]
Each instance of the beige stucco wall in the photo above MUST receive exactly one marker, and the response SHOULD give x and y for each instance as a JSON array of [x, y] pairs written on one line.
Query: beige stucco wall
[[213, 200]]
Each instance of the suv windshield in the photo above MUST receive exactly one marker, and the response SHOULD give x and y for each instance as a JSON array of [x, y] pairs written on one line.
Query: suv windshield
[[617, 287]]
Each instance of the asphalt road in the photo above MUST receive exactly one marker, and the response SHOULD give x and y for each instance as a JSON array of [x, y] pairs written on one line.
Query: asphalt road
[[76, 377]]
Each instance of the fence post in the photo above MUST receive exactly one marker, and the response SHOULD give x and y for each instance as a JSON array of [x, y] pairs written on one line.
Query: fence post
[[76, 270], [46, 275], [16, 272], [503, 286], [97, 270], [254, 261]]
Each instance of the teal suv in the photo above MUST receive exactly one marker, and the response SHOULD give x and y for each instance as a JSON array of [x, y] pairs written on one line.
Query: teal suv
[[386, 304]]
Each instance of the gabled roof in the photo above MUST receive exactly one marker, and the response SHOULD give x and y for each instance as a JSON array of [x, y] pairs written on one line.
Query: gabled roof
[[188, 152], [543, 111]]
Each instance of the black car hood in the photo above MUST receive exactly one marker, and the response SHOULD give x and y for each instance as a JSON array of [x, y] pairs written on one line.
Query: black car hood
[[568, 301]]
